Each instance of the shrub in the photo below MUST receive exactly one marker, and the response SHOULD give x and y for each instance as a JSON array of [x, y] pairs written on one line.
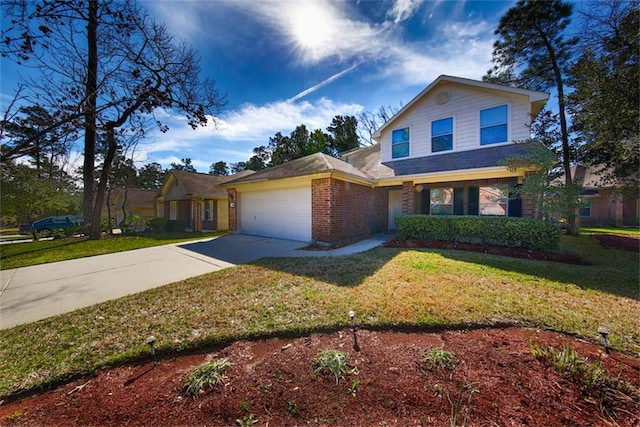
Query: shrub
[[498, 231], [175, 225], [158, 224], [206, 376], [440, 360], [134, 223], [332, 362]]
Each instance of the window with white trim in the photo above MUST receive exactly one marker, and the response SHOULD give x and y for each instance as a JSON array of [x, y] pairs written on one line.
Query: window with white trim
[[400, 143], [585, 208], [208, 210], [442, 135], [493, 125]]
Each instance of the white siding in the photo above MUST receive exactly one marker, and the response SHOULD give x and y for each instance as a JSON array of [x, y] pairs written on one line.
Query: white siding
[[464, 106]]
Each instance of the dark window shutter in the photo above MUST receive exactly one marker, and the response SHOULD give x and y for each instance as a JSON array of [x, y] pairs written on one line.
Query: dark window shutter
[[425, 202], [515, 207], [473, 207], [458, 201]]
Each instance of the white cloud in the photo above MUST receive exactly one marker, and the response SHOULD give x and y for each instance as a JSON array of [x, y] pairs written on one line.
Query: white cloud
[[403, 10], [237, 131]]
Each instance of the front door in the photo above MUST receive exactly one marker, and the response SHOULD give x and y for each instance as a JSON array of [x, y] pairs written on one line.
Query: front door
[[395, 207]]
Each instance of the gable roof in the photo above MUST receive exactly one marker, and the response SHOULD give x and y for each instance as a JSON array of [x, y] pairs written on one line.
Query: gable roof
[[309, 165], [135, 197], [537, 99], [202, 184], [367, 160]]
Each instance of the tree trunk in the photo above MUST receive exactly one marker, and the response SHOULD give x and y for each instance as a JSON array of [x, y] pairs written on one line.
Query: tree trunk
[[572, 226], [90, 115], [112, 146]]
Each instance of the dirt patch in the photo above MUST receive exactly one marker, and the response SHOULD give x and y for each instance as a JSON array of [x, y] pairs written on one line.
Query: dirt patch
[[496, 381], [487, 249], [613, 241]]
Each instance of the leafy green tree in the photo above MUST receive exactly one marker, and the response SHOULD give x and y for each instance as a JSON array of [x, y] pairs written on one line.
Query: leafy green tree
[[27, 135], [238, 167], [344, 134], [151, 176], [605, 103], [184, 166], [532, 51], [259, 160], [28, 196], [118, 69], [543, 186], [219, 168]]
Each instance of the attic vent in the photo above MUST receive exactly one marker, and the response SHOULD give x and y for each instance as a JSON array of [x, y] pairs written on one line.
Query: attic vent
[[443, 97]]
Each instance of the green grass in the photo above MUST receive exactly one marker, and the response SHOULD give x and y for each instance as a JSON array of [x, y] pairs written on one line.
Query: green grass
[[46, 251], [622, 231], [392, 288]]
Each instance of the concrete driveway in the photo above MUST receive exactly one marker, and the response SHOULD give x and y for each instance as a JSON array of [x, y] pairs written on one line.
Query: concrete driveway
[[32, 293]]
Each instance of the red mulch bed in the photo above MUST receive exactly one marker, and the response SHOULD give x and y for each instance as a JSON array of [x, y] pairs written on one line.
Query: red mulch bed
[[613, 241], [487, 249], [496, 382]]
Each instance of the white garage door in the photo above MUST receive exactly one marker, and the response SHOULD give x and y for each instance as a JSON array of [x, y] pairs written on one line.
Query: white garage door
[[285, 214]]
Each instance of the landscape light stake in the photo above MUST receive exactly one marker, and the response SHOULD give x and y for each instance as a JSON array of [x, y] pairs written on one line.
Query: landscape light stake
[[151, 340], [352, 316], [604, 332]]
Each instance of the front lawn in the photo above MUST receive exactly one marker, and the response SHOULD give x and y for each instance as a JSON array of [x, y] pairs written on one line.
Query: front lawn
[[41, 252], [386, 288]]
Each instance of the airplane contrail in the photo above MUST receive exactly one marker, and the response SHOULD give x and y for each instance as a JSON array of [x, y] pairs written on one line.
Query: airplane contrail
[[322, 83]]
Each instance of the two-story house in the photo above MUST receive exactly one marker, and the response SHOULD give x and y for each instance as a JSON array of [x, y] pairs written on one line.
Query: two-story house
[[441, 154]]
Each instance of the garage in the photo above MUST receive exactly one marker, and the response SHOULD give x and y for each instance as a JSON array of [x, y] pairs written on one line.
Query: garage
[[285, 214]]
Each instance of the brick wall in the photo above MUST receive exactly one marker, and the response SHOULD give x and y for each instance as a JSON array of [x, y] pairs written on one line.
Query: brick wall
[[233, 211], [408, 198], [344, 211]]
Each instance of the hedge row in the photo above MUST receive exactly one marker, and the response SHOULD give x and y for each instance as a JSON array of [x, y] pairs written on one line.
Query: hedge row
[[498, 231]]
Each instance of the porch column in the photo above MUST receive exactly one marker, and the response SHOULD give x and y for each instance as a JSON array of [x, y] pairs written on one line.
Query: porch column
[[232, 204], [408, 198], [616, 207]]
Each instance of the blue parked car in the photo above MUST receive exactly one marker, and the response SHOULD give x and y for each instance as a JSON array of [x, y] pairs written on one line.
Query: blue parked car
[[44, 226]]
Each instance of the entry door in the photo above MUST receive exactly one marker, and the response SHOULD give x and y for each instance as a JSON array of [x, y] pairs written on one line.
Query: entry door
[[395, 207]]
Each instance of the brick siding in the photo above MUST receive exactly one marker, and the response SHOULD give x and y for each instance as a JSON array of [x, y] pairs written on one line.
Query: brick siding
[[343, 211], [233, 211]]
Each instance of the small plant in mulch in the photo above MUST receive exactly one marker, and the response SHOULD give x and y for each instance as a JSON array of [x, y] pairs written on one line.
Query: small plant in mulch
[[247, 421], [439, 359], [590, 376], [332, 362], [206, 376], [443, 361]]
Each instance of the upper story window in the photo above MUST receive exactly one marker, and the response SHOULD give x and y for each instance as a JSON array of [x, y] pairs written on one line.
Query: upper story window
[[493, 125], [442, 135], [400, 143]]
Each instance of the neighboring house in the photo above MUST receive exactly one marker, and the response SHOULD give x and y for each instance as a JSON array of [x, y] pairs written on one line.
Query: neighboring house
[[132, 201], [440, 154], [604, 202], [195, 198]]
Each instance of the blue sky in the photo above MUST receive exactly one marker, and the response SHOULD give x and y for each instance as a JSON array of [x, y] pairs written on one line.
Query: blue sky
[[285, 63]]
